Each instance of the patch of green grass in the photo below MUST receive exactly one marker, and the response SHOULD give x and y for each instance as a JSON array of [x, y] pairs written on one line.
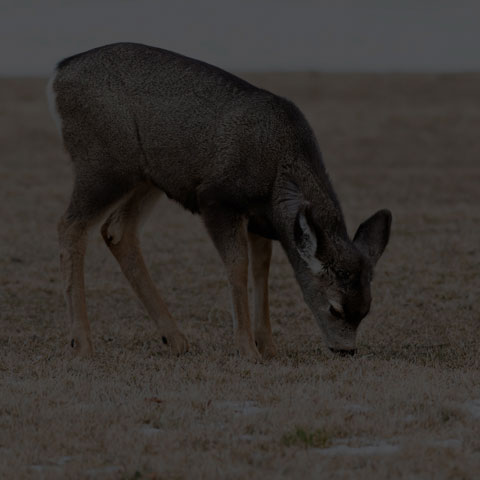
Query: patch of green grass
[[318, 438]]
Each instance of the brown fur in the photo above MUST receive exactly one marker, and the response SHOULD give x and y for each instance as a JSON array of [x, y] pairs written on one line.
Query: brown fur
[[138, 121]]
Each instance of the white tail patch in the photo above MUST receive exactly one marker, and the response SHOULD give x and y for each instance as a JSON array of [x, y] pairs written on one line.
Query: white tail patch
[[52, 102]]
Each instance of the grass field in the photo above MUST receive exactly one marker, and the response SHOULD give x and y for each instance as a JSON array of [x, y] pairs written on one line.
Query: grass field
[[407, 406]]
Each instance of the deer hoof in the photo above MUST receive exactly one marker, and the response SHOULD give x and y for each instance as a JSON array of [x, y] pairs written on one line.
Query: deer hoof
[[177, 342], [266, 346], [249, 351], [81, 348]]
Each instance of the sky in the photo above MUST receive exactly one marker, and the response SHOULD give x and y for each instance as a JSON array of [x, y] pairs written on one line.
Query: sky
[[248, 35]]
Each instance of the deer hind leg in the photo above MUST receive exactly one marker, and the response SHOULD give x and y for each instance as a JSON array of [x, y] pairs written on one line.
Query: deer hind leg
[[260, 255], [72, 235], [89, 200], [229, 234], [120, 234]]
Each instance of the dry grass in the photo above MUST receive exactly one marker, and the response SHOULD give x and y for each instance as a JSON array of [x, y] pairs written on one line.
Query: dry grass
[[408, 406]]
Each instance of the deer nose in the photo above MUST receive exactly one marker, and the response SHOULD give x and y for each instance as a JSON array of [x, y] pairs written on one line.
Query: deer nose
[[344, 353]]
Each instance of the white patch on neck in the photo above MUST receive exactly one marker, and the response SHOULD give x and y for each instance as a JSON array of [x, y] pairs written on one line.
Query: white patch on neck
[[52, 102], [316, 266]]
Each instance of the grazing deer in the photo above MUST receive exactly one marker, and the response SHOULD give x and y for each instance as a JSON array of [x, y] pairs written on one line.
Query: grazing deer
[[140, 121]]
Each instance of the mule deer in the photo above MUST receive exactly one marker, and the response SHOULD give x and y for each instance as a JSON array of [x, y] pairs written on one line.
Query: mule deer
[[140, 121]]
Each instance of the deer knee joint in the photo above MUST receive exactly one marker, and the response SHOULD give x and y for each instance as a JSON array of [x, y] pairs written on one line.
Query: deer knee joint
[[112, 230]]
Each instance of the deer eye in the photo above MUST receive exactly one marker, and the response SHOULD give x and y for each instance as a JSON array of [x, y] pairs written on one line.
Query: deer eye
[[335, 312], [344, 276]]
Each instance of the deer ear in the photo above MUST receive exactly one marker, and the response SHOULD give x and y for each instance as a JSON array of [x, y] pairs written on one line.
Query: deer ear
[[373, 234], [297, 209], [306, 240]]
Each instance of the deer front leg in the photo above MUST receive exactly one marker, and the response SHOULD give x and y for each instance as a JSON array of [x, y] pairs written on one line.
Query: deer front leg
[[260, 255], [229, 234]]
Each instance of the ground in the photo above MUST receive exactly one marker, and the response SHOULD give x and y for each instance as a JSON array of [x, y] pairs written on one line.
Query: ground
[[406, 406]]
